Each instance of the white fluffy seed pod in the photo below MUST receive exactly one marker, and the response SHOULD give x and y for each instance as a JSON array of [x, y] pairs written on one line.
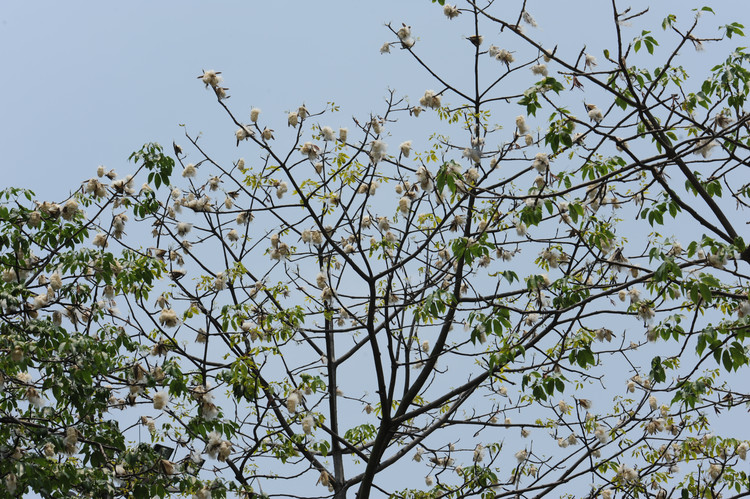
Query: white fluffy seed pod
[[160, 400]]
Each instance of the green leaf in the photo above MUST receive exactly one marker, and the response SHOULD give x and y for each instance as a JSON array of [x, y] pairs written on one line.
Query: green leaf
[[705, 292], [559, 385]]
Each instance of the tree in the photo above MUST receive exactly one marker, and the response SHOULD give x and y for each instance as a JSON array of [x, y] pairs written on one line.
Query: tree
[[550, 304]]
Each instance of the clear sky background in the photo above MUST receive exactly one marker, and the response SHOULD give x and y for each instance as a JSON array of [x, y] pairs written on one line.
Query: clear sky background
[[87, 83]]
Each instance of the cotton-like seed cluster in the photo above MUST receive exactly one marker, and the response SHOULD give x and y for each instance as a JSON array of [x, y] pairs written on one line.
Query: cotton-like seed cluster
[[742, 450], [35, 217], [34, 397], [676, 249], [244, 218], [539, 69], [244, 132], [442, 461], [327, 294], [267, 134], [716, 260], [430, 99], [604, 334], [405, 148], [528, 19], [292, 119], [310, 150], [177, 274], [531, 319], [183, 228], [55, 281], [214, 183], [617, 260], [281, 189], [458, 222], [308, 424], [595, 114], [217, 448], [714, 471], [377, 126], [160, 400], [198, 205], [472, 175], [292, 400], [551, 257], [10, 275], [321, 280], [220, 282], [40, 301], [404, 34], [70, 441], [343, 134], [52, 210], [451, 11], [473, 154], [475, 40], [478, 453], [627, 474], [279, 250], [501, 55], [189, 171], [541, 162], [69, 209], [168, 318], [377, 150], [424, 178], [404, 204], [743, 309], [328, 133], [311, 236], [202, 336], [211, 78], [523, 129], [100, 240], [205, 398], [601, 434], [645, 311]]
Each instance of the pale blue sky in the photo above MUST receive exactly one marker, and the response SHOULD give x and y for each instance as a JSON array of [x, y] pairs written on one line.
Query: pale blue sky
[[93, 81], [87, 83]]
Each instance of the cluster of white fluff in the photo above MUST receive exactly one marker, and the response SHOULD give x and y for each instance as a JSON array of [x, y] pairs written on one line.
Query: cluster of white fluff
[[404, 34], [430, 99]]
